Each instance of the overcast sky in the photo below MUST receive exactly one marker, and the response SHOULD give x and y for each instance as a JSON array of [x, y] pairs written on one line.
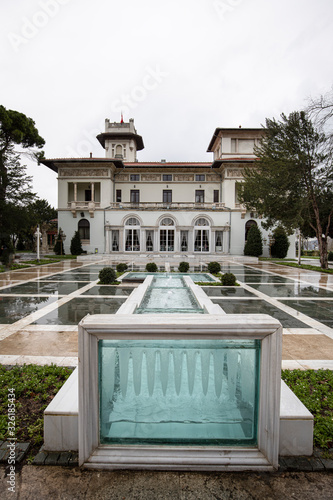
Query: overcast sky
[[180, 68]]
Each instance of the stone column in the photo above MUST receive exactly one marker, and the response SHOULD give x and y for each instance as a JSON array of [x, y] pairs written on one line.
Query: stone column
[[107, 240], [226, 237]]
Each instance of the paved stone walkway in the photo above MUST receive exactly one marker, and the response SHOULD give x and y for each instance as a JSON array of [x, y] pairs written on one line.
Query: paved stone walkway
[[40, 308]]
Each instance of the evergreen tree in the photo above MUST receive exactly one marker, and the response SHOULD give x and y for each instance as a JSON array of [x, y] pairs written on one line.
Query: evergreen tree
[[279, 249], [15, 185], [76, 245], [253, 245], [293, 176]]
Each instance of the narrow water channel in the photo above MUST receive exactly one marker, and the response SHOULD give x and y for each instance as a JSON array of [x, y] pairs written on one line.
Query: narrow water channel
[[169, 294]]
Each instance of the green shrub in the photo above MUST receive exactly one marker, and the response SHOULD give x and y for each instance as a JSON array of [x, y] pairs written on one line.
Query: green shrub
[[279, 249], [76, 246], [228, 279], [183, 267], [214, 267], [151, 267], [253, 246], [330, 256], [107, 275], [121, 267]]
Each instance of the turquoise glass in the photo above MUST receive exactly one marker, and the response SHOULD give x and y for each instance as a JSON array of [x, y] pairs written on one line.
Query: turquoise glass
[[172, 392]]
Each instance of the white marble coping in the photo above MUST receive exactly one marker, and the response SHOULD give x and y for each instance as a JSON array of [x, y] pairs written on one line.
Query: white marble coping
[[291, 407], [66, 401]]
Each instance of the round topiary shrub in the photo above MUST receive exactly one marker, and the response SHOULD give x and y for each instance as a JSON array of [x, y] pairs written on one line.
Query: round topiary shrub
[[183, 267], [107, 275], [214, 267], [121, 267], [151, 267], [330, 256], [228, 279]]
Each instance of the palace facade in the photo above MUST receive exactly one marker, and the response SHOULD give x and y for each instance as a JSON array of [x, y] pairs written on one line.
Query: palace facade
[[125, 207]]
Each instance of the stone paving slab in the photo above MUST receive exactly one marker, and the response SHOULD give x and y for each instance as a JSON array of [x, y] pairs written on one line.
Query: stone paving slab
[[21, 450], [62, 483]]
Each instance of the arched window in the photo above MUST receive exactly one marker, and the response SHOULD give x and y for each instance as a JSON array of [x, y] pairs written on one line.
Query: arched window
[[132, 235], [202, 222], [84, 229], [167, 222], [132, 222], [167, 236], [201, 236], [248, 226]]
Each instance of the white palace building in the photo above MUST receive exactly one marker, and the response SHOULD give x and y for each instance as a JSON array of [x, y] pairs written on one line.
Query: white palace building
[[127, 209]]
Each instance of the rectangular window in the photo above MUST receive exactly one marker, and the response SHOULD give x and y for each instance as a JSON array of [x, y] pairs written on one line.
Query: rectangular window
[[149, 240], [135, 196], [216, 195], [245, 145], [218, 241], [167, 177], [118, 195], [115, 240], [200, 177], [242, 145], [87, 195], [184, 241], [167, 195], [199, 196], [134, 177]]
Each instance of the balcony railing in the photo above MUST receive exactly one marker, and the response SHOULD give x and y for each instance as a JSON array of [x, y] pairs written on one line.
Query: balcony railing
[[77, 206], [168, 206], [83, 205]]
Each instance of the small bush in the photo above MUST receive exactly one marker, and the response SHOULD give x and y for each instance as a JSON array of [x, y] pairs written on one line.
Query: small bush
[[330, 256], [214, 267], [228, 279], [107, 275], [151, 267], [121, 267], [183, 267]]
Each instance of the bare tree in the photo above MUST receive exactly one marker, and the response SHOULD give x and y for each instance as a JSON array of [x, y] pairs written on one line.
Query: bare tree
[[320, 110]]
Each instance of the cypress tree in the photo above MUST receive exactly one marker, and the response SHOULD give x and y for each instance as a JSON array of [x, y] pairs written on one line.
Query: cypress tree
[[253, 246], [76, 245], [279, 249]]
